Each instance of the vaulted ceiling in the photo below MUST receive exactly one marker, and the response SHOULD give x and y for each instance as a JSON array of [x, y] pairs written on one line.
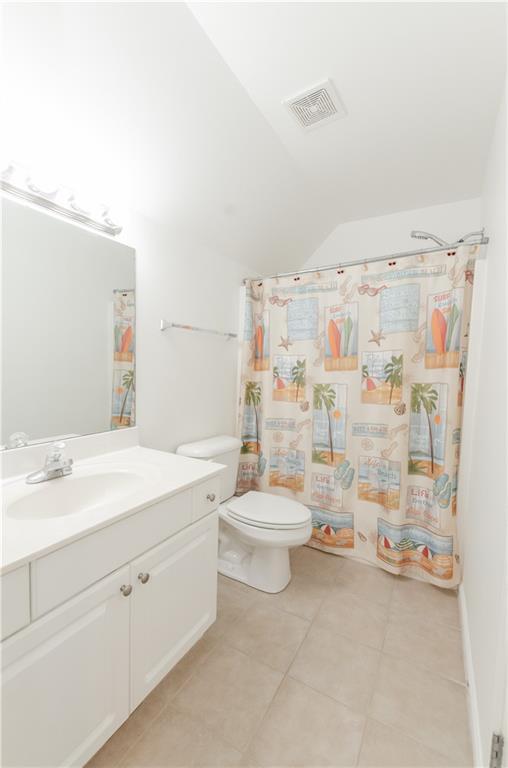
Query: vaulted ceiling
[[175, 111], [420, 82]]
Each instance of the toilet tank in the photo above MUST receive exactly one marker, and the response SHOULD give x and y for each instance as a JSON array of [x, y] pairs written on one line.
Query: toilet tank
[[223, 449]]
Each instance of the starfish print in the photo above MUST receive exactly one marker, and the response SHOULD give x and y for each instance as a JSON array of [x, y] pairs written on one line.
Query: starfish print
[[285, 343], [377, 337]]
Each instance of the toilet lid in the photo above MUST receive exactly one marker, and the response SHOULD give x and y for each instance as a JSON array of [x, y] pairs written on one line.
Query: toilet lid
[[268, 511]]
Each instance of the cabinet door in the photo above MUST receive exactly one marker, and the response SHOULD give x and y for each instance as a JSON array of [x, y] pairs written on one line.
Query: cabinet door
[[174, 601], [65, 679]]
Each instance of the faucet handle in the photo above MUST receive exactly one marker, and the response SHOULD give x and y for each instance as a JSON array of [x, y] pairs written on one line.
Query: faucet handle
[[18, 440], [56, 452]]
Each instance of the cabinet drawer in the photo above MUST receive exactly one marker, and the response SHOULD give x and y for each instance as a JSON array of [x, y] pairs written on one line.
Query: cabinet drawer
[[62, 574], [206, 498], [15, 599]]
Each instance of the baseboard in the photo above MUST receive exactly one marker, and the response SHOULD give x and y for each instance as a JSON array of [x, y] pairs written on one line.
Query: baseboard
[[472, 700]]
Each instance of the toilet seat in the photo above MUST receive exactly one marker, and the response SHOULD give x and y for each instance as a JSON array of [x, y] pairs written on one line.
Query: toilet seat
[[264, 510]]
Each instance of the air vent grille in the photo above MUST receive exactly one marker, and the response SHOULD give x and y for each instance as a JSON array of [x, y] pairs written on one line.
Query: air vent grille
[[316, 106]]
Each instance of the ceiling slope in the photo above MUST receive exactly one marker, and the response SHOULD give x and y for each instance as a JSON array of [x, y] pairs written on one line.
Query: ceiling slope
[[421, 84]]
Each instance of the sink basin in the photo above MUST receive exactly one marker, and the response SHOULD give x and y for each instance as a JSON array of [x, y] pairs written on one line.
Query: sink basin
[[79, 492]]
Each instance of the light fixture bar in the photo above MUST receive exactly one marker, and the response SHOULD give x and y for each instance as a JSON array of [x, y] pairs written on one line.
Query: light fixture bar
[[57, 200]]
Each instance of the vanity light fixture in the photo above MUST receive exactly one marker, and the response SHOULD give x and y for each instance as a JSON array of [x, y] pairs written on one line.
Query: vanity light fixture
[[17, 181]]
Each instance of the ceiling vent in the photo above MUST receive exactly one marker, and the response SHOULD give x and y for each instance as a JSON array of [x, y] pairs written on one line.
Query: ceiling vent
[[316, 106]]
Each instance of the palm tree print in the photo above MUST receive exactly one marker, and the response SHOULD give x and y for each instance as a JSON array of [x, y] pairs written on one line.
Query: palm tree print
[[253, 398], [128, 384], [393, 374], [298, 376], [324, 397], [425, 396]]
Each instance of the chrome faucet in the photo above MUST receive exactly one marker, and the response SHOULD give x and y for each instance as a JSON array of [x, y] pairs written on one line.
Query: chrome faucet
[[55, 465]]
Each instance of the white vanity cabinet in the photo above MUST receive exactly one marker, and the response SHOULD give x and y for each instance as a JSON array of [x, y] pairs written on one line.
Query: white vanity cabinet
[[15, 601], [173, 602], [100, 640], [65, 679]]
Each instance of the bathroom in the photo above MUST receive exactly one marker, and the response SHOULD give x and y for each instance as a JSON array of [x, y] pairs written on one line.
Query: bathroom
[[253, 415]]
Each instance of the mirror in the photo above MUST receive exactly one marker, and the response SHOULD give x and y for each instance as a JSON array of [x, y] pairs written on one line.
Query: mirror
[[68, 324]]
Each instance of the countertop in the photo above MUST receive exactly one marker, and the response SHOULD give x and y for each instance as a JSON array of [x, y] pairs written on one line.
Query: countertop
[[159, 476]]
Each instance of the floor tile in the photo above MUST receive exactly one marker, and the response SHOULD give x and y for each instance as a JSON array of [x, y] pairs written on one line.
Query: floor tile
[[174, 739], [229, 693], [337, 667], [425, 600], [122, 740], [269, 635], [116, 747], [233, 600], [305, 728], [353, 617], [424, 706], [360, 656], [303, 597], [323, 566], [385, 747], [438, 647], [366, 581]]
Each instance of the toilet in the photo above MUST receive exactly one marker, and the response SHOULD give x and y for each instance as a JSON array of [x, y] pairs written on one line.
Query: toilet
[[256, 530]]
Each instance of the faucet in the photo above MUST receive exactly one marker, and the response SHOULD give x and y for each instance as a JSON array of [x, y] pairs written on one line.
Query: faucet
[[54, 466]]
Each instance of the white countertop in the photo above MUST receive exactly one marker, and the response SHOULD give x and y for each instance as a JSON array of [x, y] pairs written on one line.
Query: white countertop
[[160, 475]]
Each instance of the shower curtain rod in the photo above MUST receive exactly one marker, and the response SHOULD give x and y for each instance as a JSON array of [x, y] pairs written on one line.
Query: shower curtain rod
[[483, 240]]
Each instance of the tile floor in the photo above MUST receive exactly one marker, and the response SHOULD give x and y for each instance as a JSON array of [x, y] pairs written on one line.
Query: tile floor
[[349, 666]]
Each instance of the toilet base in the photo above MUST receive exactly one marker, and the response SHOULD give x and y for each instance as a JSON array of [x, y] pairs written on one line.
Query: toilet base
[[266, 569], [255, 556]]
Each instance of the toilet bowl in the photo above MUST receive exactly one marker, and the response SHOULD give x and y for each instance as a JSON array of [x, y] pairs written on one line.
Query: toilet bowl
[[256, 530]]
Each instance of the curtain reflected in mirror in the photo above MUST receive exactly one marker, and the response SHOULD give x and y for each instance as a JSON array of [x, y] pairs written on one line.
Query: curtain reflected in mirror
[[68, 329]]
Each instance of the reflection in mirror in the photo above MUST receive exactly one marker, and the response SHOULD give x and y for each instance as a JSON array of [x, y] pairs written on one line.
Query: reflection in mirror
[[68, 329]]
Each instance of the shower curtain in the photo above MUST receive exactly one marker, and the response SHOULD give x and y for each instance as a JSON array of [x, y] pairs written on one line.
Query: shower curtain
[[351, 391], [123, 395]]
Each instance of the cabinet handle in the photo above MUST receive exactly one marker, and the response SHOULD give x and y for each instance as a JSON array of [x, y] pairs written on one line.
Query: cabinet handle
[[143, 577], [211, 497], [126, 589]]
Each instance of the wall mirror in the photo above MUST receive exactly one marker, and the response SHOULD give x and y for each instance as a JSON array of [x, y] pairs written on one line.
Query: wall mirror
[[68, 329]]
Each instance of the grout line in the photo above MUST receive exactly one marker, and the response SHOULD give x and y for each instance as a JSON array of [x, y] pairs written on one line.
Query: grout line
[[221, 736], [404, 732], [425, 668], [163, 708], [285, 675], [376, 676]]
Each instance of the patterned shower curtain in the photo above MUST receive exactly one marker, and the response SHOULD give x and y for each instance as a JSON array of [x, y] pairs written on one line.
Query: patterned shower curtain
[[123, 396], [351, 391]]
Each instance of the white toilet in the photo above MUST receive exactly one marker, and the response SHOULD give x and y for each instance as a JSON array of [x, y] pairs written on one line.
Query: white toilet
[[256, 530]]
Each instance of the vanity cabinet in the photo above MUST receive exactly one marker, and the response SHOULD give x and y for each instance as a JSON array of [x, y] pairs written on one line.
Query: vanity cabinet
[[65, 679], [173, 602], [15, 600], [99, 643]]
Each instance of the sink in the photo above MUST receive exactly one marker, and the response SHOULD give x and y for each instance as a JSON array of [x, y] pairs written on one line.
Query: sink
[[82, 491]]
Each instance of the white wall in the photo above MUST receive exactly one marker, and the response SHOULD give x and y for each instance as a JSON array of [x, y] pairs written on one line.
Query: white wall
[[380, 235], [186, 381], [482, 485]]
